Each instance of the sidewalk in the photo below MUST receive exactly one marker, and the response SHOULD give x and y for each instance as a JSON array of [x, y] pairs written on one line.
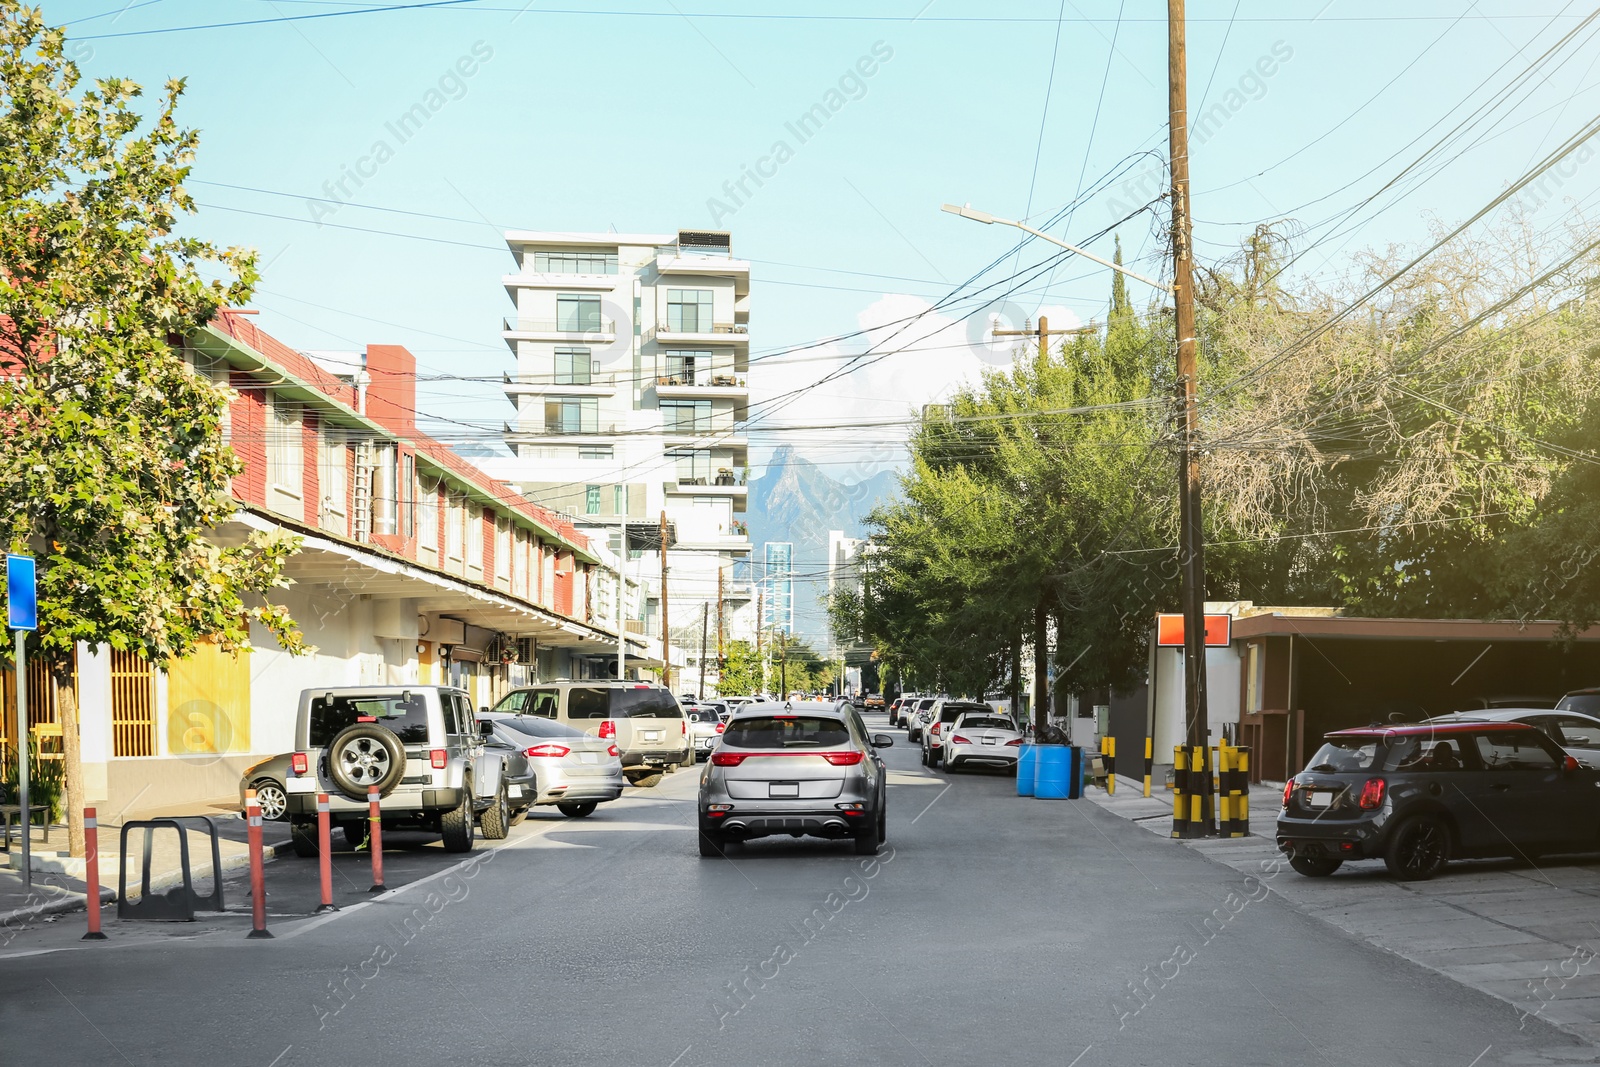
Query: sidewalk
[[1527, 935], [58, 880]]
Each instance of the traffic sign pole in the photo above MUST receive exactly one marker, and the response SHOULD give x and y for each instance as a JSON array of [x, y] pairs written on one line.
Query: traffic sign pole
[[22, 615]]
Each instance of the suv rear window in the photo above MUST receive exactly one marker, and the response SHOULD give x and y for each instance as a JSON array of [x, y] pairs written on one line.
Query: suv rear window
[[407, 718], [952, 712], [787, 731], [630, 703], [1588, 703]]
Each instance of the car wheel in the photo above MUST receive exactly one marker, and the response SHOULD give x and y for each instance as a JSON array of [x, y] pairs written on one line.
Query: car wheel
[[711, 845], [303, 836], [366, 757], [356, 834], [868, 840], [1315, 866], [578, 809], [1418, 849], [883, 823], [646, 781], [935, 757], [273, 800], [924, 757], [455, 825], [496, 819]]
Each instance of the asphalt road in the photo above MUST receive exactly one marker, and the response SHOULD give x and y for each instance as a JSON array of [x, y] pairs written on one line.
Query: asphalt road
[[990, 929]]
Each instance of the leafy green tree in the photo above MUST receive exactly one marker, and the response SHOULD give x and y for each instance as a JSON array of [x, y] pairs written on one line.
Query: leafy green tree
[[115, 466], [741, 671]]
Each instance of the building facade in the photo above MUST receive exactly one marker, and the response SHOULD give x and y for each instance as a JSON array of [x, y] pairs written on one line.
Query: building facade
[[414, 567], [631, 395]]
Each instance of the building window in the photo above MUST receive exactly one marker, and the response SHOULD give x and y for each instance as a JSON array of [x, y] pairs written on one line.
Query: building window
[[686, 416], [285, 447], [575, 262], [572, 415], [577, 314], [574, 366], [619, 499], [455, 521], [428, 517], [591, 500], [385, 489], [595, 452], [689, 310], [693, 465], [688, 366], [408, 493], [333, 466], [502, 550], [474, 533]]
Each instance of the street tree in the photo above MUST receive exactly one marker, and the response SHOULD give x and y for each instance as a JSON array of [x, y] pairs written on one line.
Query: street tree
[[115, 465]]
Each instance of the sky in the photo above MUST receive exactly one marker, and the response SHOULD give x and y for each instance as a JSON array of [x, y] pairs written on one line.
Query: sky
[[652, 115]]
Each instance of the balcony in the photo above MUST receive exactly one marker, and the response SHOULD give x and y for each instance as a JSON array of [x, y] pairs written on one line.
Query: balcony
[[562, 384], [560, 433], [705, 433], [702, 386], [593, 330], [724, 485], [720, 333]]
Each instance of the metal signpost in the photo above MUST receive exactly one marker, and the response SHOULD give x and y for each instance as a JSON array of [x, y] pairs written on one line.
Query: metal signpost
[[22, 615]]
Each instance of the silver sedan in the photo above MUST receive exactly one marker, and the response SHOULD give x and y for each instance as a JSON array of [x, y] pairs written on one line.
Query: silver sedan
[[802, 768], [552, 763], [982, 739]]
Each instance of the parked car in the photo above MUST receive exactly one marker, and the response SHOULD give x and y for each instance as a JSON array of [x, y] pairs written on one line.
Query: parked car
[[919, 717], [1584, 700], [872, 701], [982, 738], [1577, 734], [417, 746], [1420, 795], [267, 778], [892, 709], [1487, 703], [548, 762], [705, 728], [940, 717], [800, 768], [643, 719]]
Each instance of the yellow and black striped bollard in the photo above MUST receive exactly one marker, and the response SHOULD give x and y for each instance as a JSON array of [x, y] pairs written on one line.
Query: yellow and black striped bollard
[[1180, 790]]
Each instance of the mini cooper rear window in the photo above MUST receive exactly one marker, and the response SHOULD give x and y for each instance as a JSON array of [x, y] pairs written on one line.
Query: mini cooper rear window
[[407, 718], [786, 731]]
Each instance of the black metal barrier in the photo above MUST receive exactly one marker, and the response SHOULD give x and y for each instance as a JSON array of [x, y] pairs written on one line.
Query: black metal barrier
[[179, 903]]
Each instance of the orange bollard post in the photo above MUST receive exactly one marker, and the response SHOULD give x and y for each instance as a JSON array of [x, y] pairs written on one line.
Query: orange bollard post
[[258, 881], [375, 841], [325, 854], [91, 843]]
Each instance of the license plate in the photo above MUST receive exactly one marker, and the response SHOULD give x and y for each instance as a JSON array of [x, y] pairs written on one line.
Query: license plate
[[783, 789], [588, 757], [1321, 799], [988, 740], [652, 735], [515, 791]]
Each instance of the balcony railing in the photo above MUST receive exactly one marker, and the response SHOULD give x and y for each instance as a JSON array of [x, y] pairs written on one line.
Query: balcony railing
[[589, 328], [698, 427], [705, 380], [560, 380], [557, 429], [718, 327]]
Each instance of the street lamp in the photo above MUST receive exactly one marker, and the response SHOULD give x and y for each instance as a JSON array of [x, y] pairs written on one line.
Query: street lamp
[[967, 211]]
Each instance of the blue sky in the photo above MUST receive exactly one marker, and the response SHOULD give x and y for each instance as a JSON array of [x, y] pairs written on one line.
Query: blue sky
[[641, 114]]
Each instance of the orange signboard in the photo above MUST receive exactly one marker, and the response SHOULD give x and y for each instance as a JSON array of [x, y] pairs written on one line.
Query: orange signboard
[[1169, 631]]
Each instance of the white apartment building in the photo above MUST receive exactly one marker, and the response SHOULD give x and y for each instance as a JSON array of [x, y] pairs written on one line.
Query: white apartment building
[[631, 394]]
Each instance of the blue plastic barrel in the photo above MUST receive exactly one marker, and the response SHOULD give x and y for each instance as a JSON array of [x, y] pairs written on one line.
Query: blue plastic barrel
[[1025, 769], [1053, 780]]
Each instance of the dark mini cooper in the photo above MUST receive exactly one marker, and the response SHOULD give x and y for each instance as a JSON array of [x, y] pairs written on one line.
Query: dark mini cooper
[[1419, 796]]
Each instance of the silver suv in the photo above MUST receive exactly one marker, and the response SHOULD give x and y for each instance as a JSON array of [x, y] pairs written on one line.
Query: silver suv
[[802, 768], [643, 719], [419, 746]]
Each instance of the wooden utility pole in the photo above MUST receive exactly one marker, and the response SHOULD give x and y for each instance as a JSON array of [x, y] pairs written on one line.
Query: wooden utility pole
[[705, 615], [666, 632], [761, 663], [721, 651], [1044, 333], [1190, 533]]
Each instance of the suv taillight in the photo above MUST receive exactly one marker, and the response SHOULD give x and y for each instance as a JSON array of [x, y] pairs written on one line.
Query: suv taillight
[[1288, 791], [843, 759], [935, 730], [1371, 794], [727, 759], [438, 758], [684, 727], [300, 762], [608, 728]]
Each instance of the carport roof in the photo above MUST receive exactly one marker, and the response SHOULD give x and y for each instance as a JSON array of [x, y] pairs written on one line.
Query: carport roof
[[1280, 624]]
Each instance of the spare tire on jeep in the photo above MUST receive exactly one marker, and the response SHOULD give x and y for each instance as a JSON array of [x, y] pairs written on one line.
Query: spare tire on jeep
[[363, 757]]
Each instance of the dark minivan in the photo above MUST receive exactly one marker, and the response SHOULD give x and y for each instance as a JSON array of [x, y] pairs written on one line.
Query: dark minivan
[[1421, 795]]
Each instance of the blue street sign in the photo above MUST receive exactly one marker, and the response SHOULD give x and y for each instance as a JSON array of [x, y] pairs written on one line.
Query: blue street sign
[[22, 594]]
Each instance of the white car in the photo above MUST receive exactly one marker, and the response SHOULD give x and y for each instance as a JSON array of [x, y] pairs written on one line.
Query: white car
[[981, 738]]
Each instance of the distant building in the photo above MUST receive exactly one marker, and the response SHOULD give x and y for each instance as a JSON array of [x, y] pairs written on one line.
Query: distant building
[[778, 583], [631, 395]]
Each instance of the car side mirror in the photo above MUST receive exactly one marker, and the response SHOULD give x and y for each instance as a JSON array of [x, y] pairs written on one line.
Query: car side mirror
[[1570, 764], [486, 730], [882, 741]]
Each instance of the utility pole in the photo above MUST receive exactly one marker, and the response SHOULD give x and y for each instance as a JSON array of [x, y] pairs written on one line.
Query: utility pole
[[705, 615], [1044, 333], [761, 661], [783, 664], [1190, 532], [622, 614], [666, 632], [721, 650]]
